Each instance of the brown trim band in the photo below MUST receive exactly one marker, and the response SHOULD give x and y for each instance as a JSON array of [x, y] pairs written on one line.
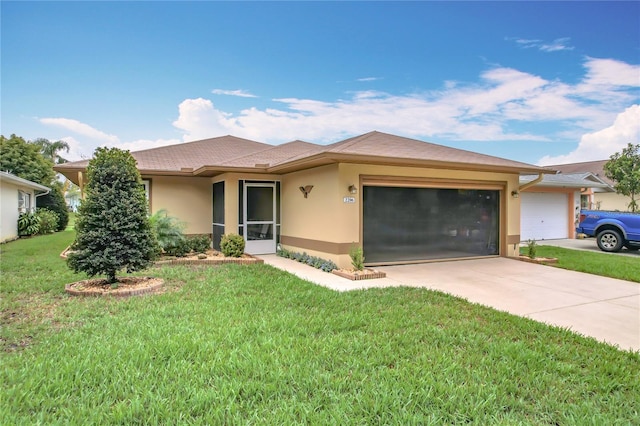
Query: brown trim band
[[316, 245], [513, 239]]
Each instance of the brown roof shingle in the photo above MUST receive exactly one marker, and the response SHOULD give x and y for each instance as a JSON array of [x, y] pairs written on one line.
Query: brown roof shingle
[[595, 167], [230, 152]]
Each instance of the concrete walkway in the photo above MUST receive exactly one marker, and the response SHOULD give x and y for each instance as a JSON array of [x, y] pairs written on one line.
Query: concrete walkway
[[604, 308]]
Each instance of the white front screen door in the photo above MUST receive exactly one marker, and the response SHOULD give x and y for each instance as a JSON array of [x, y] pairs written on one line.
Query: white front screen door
[[260, 213]]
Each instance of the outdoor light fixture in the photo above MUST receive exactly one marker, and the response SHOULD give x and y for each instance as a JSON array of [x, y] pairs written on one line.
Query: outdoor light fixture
[[306, 190], [352, 189], [515, 194]]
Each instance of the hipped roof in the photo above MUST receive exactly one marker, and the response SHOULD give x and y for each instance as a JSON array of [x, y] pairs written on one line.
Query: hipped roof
[[210, 157]]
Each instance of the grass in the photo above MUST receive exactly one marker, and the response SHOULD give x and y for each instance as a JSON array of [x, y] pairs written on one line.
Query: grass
[[604, 264], [255, 345]]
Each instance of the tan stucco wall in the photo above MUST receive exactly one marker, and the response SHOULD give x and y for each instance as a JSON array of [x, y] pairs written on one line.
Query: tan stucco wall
[[186, 198], [323, 216], [612, 201]]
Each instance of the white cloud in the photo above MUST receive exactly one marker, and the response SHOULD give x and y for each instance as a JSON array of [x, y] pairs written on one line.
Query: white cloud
[[609, 72], [600, 145], [485, 111], [80, 128], [240, 93], [198, 119], [556, 45], [365, 79]]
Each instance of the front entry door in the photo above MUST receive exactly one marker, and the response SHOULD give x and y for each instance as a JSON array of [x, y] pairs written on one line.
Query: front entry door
[[260, 213]]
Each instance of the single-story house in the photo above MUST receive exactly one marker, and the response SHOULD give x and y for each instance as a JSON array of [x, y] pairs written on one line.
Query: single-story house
[[17, 196], [597, 198], [402, 200], [550, 207]]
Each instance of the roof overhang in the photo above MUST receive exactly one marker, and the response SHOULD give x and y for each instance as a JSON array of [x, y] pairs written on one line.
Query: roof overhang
[[322, 159], [18, 181]]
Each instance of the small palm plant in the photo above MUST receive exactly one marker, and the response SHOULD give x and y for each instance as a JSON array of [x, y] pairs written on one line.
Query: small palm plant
[[357, 257], [168, 229]]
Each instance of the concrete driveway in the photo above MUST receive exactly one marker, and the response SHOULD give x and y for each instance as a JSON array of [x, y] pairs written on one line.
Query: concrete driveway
[[586, 244], [604, 308]]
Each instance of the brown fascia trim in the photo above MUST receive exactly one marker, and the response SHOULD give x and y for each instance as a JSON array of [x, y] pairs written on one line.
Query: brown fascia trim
[[328, 158]]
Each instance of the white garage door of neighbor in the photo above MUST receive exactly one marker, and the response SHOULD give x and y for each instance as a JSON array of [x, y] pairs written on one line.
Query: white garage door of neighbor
[[543, 216]]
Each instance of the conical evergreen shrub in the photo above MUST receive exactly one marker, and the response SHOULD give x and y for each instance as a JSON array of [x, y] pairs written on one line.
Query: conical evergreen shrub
[[112, 225]]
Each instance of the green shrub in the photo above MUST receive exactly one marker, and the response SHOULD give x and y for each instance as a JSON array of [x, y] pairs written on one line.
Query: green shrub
[[28, 224], [531, 249], [180, 248], [199, 243], [54, 201], [48, 221], [357, 257], [232, 245], [113, 231], [168, 229], [316, 262]]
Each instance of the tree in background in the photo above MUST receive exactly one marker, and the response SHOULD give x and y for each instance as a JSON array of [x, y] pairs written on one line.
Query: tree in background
[[624, 169], [113, 229], [25, 160], [50, 150]]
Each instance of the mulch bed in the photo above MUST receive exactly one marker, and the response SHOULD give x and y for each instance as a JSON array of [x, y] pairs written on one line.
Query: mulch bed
[[367, 274], [539, 260], [212, 257], [127, 286]]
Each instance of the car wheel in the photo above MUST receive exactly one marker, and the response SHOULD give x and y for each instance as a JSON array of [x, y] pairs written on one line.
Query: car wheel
[[609, 240]]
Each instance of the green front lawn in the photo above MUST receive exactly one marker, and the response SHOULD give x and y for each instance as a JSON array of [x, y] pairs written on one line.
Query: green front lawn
[[604, 264], [255, 345]]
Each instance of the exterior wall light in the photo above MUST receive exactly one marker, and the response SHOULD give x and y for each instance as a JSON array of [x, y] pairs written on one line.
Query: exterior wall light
[[515, 194], [306, 190], [352, 189]]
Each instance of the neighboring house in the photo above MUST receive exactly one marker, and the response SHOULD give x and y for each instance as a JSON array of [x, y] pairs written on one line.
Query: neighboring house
[[401, 199], [596, 198], [17, 196], [550, 208]]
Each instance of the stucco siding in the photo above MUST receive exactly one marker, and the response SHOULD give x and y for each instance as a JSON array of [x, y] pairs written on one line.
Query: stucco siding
[[612, 201], [188, 199], [9, 202], [324, 217]]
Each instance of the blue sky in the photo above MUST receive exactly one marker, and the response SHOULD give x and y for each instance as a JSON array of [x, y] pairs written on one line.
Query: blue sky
[[539, 82]]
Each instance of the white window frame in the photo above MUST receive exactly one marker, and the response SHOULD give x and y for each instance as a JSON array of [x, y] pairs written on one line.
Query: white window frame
[[24, 202]]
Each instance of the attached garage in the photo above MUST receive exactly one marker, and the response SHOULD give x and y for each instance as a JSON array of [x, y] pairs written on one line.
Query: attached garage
[[404, 224], [544, 215]]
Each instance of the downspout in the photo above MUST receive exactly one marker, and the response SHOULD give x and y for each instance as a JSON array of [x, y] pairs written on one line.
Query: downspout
[[533, 182], [44, 193], [35, 198]]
